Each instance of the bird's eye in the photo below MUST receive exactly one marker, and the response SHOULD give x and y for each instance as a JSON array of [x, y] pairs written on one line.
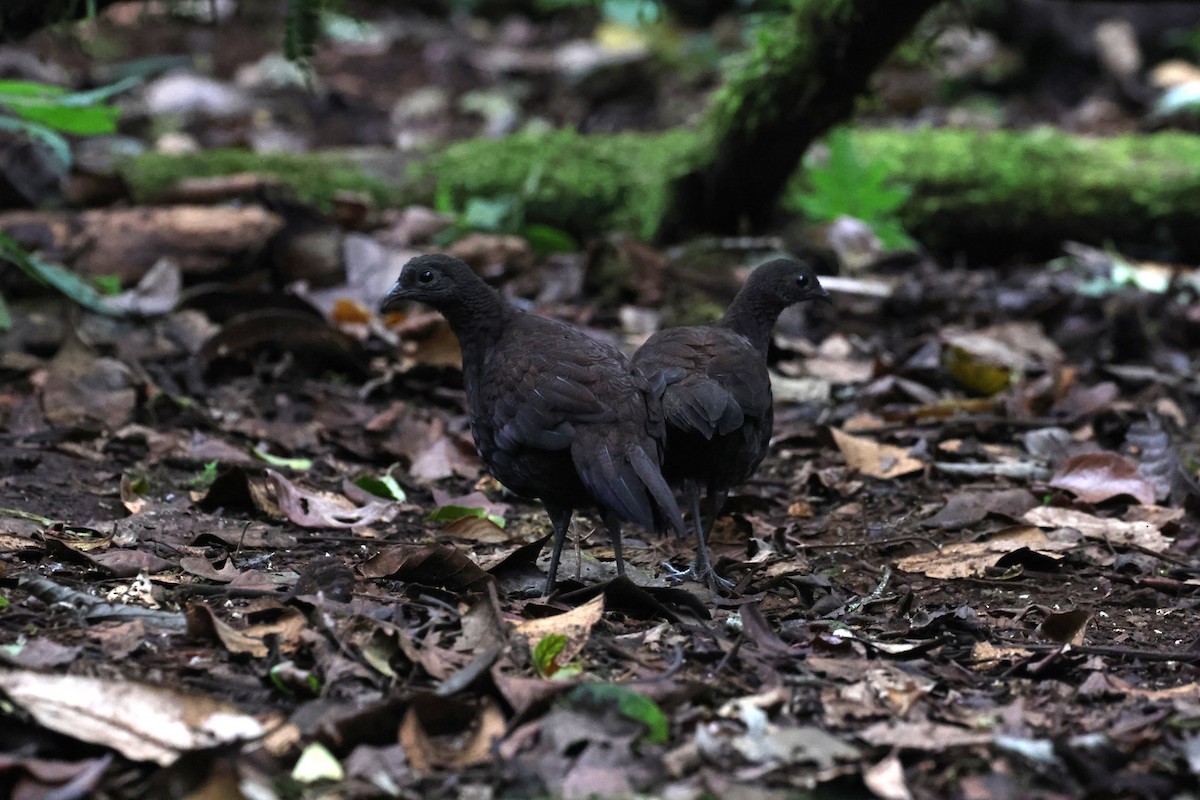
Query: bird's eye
[[802, 280], [426, 276]]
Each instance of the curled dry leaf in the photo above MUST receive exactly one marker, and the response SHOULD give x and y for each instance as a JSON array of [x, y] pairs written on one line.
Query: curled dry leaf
[[872, 458], [436, 565], [1096, 477], [1066, 627], [284, 623], [575, 624], [311, 509], [448, 733]]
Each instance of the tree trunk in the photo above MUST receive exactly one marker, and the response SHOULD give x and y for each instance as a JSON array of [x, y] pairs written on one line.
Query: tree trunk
[[801, 77]]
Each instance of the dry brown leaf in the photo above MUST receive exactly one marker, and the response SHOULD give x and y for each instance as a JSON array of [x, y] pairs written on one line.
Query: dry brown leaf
[[1065, 627], [465, 735], [922, 735], [973, 559], [872, 458]]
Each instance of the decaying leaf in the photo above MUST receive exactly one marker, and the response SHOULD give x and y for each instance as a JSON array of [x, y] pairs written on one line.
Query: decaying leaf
[[1114, 531], [312, 509]]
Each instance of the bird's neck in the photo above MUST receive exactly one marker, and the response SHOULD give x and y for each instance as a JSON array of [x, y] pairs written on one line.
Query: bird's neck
[[477, 319], [754, 318]]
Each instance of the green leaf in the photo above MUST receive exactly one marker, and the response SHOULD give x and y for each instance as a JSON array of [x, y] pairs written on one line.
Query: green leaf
[[546, 653], [548, 239], [629, 703], [84, 120], [205, 477], [3, 602], [298, 464], [5, 315], [451, 513], [107, 284], [15, 89], [73, 286], [385, 486]]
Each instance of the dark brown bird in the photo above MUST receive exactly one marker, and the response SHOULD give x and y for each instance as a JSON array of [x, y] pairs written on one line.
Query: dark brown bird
[[555, 414], [717, 401]]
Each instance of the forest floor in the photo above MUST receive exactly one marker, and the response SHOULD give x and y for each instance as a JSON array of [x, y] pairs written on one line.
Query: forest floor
[[1026, 629], [247, 549]]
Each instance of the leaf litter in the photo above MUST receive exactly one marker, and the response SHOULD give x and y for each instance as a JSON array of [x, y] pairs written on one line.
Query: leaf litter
[[967, 566]]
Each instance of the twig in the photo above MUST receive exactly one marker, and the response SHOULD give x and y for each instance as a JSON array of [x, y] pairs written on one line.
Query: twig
[[874, 595]]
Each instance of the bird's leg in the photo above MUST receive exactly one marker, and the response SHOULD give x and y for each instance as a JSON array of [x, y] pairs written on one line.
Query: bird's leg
[[691, 498], [702, 566], [613, 523], [560, 517]]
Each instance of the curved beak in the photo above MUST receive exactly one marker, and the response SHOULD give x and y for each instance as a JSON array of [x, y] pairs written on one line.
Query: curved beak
[[393, 298]]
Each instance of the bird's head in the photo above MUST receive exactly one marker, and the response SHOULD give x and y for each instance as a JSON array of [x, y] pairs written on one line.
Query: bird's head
[[789, 280], [436, 280]]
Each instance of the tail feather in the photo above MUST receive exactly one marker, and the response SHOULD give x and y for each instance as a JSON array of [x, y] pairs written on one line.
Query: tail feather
[[612, 481], [648, 471]]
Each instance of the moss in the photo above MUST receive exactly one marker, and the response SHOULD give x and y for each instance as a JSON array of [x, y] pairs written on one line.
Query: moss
[[968, 186], [585, 184], [314, 178], [971, 182]]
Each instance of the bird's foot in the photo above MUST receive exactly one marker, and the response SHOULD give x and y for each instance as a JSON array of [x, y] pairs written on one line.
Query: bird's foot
[[702, 573]]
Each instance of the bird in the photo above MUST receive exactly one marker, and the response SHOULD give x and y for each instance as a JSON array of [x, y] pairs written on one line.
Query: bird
[[555, 414], [717, 399]]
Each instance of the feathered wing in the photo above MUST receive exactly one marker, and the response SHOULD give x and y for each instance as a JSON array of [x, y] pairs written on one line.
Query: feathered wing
[[713, 384], [591, 403]]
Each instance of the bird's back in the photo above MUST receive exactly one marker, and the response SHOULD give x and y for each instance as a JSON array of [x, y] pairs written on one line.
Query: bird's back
[[716, 402]]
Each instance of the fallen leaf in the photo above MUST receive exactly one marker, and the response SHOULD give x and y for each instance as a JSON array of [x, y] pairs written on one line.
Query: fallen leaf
[[1096, 477], [139, 721], [886, 779], [974, 559], [1114, 531], [575, 624], [312, 509], [438, 565], [872, 458], [449, 733]]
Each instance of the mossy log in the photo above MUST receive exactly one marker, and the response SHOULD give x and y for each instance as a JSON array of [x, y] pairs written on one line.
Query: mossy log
[[988, 195], [801, 76]]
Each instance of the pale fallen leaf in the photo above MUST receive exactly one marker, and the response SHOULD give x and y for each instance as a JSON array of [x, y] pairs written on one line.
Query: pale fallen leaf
[[872, 458], [140, 721], [1114, 531], [922, 735]]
